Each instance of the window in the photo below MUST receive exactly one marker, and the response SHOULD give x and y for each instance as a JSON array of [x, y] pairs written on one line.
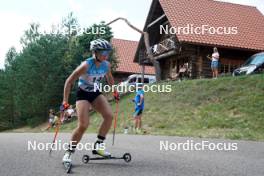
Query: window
[[146, 80], [133, 80], [255, 60]]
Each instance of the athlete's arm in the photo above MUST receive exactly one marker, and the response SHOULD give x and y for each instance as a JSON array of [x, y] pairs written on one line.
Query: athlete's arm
[[80, 70], [109, 77]]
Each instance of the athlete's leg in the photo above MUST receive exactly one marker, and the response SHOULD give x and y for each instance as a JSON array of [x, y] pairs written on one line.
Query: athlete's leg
[[82, 108], [101, 105]]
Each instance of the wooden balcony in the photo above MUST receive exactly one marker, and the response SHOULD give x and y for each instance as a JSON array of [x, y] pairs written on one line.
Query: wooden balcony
[[164, 46]]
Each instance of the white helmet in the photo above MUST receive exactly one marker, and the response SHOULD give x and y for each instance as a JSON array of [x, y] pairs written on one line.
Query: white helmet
[[100, 44]]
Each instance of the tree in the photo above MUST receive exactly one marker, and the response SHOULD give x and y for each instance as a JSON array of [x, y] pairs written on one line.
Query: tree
[[4, 116], [31, 35], [70, 25], [7, 90], [41, 76], [10, 57], [33, 80]]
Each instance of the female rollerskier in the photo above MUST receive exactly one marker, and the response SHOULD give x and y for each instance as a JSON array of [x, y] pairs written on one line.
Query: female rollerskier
[[90, 72]]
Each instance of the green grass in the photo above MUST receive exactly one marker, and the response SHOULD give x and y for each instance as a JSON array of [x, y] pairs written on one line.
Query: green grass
[[228, 107]]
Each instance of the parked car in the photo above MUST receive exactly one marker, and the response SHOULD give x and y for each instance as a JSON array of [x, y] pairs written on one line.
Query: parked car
[[136, 78], [255, 64]]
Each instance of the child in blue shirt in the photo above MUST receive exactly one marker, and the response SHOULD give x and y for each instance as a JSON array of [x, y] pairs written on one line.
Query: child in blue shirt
[[139, 107]]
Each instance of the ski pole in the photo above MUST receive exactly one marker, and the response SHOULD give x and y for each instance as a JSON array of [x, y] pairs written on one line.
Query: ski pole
[[62, 110], [115, 122], [56, 131]]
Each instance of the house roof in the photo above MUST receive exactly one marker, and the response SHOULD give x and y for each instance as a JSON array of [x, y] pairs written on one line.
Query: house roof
[[125, 51], [248, 20]]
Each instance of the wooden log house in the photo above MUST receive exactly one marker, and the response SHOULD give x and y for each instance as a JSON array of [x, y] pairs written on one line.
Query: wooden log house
[[243, 37]]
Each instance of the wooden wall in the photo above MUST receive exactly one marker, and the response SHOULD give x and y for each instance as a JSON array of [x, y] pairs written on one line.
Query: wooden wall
[[199, 64]]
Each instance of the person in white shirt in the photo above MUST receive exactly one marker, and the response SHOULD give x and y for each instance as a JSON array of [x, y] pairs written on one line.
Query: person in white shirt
[[69, 113], [214, 62]]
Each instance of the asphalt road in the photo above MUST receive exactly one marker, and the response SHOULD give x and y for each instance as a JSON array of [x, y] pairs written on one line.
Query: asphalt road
[[147, 158]]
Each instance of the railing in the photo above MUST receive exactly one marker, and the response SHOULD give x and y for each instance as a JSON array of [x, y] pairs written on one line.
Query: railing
[[164, 46]]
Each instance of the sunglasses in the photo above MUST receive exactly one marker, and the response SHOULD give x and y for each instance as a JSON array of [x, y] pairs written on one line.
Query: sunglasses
[[105, 53]]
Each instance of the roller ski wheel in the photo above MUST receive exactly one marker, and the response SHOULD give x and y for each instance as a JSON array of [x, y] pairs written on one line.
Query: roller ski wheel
[[127, 157], [85, 159]]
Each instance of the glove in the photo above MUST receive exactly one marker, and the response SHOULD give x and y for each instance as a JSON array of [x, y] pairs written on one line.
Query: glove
[[116, 95], [64, 106]]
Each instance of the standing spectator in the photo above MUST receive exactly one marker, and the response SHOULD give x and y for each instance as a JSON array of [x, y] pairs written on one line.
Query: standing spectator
[[214, 62], [139, 107]]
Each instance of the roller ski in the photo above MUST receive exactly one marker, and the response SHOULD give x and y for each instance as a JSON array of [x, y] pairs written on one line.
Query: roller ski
[[67, 162], [104, 155], [126, 157]]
